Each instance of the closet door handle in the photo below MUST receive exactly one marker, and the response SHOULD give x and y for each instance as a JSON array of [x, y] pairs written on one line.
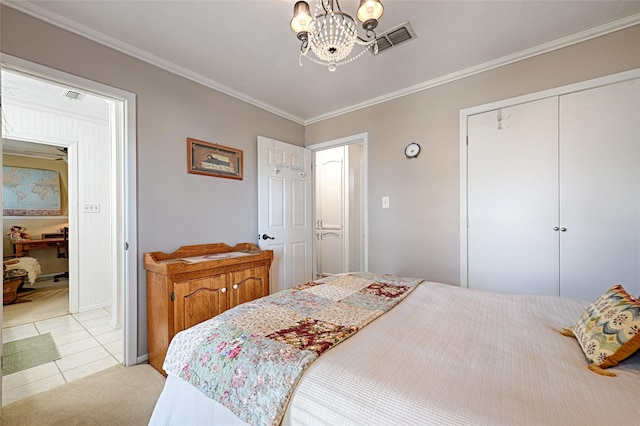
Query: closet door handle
[[223, 290], [556, 228], [563, 229]]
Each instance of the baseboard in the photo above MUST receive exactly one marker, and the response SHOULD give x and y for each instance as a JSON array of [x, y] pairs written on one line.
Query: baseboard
[[43, 277], [92, 307]]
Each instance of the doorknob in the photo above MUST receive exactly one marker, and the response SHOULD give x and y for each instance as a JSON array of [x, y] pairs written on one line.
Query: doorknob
[[266, 237], [555, 228], [563, 229]]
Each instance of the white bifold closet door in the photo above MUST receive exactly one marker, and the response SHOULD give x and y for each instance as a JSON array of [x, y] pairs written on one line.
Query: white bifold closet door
[[600, 189], [512, 190], [554, 194]]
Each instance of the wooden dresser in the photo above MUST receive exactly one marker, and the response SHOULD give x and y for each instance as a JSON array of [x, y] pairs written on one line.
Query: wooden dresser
[[196, 283]]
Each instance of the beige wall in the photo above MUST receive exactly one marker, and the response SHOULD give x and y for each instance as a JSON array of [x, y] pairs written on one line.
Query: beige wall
[[174, 208], [419, 234], [36, 225]]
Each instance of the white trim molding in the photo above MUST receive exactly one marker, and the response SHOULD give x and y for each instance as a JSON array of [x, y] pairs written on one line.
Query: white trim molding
[[84, 31]]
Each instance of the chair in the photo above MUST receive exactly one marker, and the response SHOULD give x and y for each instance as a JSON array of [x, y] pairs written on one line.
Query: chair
[[63, 253]]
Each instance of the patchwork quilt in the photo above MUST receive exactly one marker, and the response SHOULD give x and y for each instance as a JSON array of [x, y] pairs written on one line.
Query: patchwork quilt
[[250, 358]]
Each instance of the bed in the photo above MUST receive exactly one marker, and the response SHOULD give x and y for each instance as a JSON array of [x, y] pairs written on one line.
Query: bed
[[442, 355]]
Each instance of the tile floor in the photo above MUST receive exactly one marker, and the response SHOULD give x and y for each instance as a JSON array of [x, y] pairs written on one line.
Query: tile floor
[[87, 344]]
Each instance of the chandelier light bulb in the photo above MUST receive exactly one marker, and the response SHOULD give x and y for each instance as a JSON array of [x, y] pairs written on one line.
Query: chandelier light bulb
[[369, 9], [301, 17], [331, 34]]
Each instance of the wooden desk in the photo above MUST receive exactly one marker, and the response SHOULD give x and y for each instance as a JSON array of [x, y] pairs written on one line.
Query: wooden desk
[[22, 246]]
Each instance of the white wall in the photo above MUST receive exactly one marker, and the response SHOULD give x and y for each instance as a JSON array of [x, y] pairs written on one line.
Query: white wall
[[354, 180]]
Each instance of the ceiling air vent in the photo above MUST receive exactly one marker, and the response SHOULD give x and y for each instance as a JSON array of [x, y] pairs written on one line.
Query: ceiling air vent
[[395, 36], [72, 94]]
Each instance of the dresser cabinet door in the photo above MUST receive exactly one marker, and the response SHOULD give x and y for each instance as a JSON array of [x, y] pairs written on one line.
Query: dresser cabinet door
[[248, 284], [199, 299], [330, 188]]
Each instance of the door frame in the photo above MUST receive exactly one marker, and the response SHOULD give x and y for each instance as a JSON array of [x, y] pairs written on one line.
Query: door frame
[[123, 140], [362, 138], [505, 103]]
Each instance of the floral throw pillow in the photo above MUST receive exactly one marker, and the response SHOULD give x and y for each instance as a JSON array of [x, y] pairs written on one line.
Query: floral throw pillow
[[609, 330]]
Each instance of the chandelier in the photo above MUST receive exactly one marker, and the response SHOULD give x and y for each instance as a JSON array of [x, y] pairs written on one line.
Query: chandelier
[[331, 34]]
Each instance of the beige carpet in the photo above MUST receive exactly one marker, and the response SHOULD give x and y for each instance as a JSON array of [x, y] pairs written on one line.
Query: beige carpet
[[44, 303], [116, 396]]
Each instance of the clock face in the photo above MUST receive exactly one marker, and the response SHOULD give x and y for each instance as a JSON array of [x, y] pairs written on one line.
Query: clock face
[[412, 150]]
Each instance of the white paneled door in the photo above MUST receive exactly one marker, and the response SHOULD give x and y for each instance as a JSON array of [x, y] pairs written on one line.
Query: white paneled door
[[285, 211], [330, 188], [330, 258], [332, 210]]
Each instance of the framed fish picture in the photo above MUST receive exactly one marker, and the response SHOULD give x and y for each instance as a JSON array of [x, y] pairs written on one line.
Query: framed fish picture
[[211, 159]]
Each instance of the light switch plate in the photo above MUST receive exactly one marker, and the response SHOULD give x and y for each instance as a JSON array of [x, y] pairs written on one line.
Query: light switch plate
[[91, 208], [385, 202]]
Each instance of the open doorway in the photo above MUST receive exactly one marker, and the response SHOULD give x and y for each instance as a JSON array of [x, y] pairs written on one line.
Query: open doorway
[[36, 180], [101, 208], [340, 206]]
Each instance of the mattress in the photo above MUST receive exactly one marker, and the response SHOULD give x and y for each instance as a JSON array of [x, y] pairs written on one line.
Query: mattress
[[447, 355]]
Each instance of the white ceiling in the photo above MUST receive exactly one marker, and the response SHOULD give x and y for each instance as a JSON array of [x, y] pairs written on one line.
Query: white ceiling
[[246, 48], [18, 89]]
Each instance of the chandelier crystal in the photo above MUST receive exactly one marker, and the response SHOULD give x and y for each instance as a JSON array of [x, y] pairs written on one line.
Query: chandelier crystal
[[332, 34]]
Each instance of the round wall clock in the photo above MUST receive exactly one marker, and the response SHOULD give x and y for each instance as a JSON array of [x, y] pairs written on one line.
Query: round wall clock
[[412, 150]]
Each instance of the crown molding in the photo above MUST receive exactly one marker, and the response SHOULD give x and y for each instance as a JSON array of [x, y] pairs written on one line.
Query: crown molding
[[86, 32], [98, 37], [506, 60]]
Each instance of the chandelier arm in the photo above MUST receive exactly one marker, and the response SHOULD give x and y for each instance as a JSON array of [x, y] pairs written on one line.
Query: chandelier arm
[[371, 37], [332, 35], [326, 3], [304, 47], [363, 42]]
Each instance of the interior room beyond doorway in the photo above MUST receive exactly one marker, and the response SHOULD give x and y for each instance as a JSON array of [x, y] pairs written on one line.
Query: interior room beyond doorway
[[340, 218]]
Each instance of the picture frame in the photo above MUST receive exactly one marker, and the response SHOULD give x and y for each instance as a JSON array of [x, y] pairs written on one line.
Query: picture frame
[[30, 192], [210, 159]]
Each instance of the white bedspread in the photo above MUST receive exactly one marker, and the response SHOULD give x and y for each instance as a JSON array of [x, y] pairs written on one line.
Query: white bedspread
[[447, 355]]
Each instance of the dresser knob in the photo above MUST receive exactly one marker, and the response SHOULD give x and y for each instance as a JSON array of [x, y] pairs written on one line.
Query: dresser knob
[[223, 289], [235, 286]]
